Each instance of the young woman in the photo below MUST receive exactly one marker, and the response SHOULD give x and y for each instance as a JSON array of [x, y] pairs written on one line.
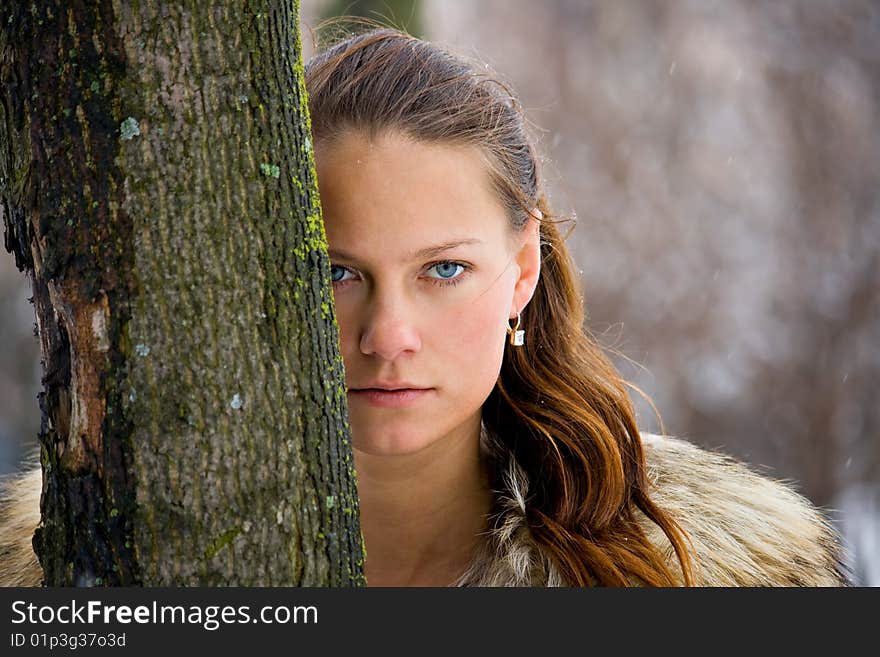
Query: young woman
[[494, 442]]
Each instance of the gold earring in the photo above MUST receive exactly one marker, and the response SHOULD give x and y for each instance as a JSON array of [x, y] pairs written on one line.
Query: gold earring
[[517, 335]]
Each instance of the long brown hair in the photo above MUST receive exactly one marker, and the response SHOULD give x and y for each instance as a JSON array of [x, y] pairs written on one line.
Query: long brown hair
[[559, 406]]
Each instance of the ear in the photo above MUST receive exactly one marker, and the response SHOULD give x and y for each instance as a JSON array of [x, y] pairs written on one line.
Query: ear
[[528, 260]]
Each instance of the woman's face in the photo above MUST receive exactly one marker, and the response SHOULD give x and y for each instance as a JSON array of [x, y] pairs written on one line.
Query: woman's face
[[426, 271]]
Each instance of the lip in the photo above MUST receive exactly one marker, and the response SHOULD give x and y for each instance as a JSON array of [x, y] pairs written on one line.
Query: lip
[[390, 398], [380, 384]]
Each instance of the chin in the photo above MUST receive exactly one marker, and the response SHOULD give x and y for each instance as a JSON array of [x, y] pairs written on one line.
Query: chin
[[390, 442]]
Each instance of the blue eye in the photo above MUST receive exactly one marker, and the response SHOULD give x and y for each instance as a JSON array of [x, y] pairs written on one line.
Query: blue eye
[[337, 272], [449, 273], [447, 270]]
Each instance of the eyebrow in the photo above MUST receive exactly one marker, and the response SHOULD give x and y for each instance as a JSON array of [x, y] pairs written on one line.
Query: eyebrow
[[427, 252]]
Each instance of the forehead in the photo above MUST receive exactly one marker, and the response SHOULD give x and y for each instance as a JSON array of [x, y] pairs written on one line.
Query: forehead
[[400, 195]]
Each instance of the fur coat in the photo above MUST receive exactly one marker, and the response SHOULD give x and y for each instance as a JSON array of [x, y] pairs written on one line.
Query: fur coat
[[745, 529]]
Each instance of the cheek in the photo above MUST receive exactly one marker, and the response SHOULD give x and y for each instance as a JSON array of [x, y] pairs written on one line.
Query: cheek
[[470, 328], [472, 331], [458, 336], [346, 321], [471, 338]]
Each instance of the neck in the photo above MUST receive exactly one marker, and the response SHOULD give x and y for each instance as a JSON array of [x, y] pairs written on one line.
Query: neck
[[423, 514]]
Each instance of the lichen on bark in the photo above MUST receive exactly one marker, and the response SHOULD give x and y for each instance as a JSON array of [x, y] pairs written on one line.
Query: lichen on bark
[[195, 402]]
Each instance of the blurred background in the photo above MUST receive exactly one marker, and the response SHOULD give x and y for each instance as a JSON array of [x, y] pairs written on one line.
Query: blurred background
[[722, 162]]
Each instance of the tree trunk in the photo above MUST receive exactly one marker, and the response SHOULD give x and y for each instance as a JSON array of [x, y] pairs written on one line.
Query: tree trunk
[[157, 181]]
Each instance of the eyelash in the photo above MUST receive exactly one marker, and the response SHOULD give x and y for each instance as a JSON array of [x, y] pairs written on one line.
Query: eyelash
[[440, 282]]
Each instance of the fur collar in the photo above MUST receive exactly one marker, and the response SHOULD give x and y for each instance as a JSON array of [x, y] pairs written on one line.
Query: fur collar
[[19, 518], [745, 529]]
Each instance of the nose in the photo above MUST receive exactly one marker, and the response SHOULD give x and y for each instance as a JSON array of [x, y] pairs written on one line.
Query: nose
[[390, 330]]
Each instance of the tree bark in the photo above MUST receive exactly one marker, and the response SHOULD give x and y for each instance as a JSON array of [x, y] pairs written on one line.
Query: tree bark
[[157, 182]]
